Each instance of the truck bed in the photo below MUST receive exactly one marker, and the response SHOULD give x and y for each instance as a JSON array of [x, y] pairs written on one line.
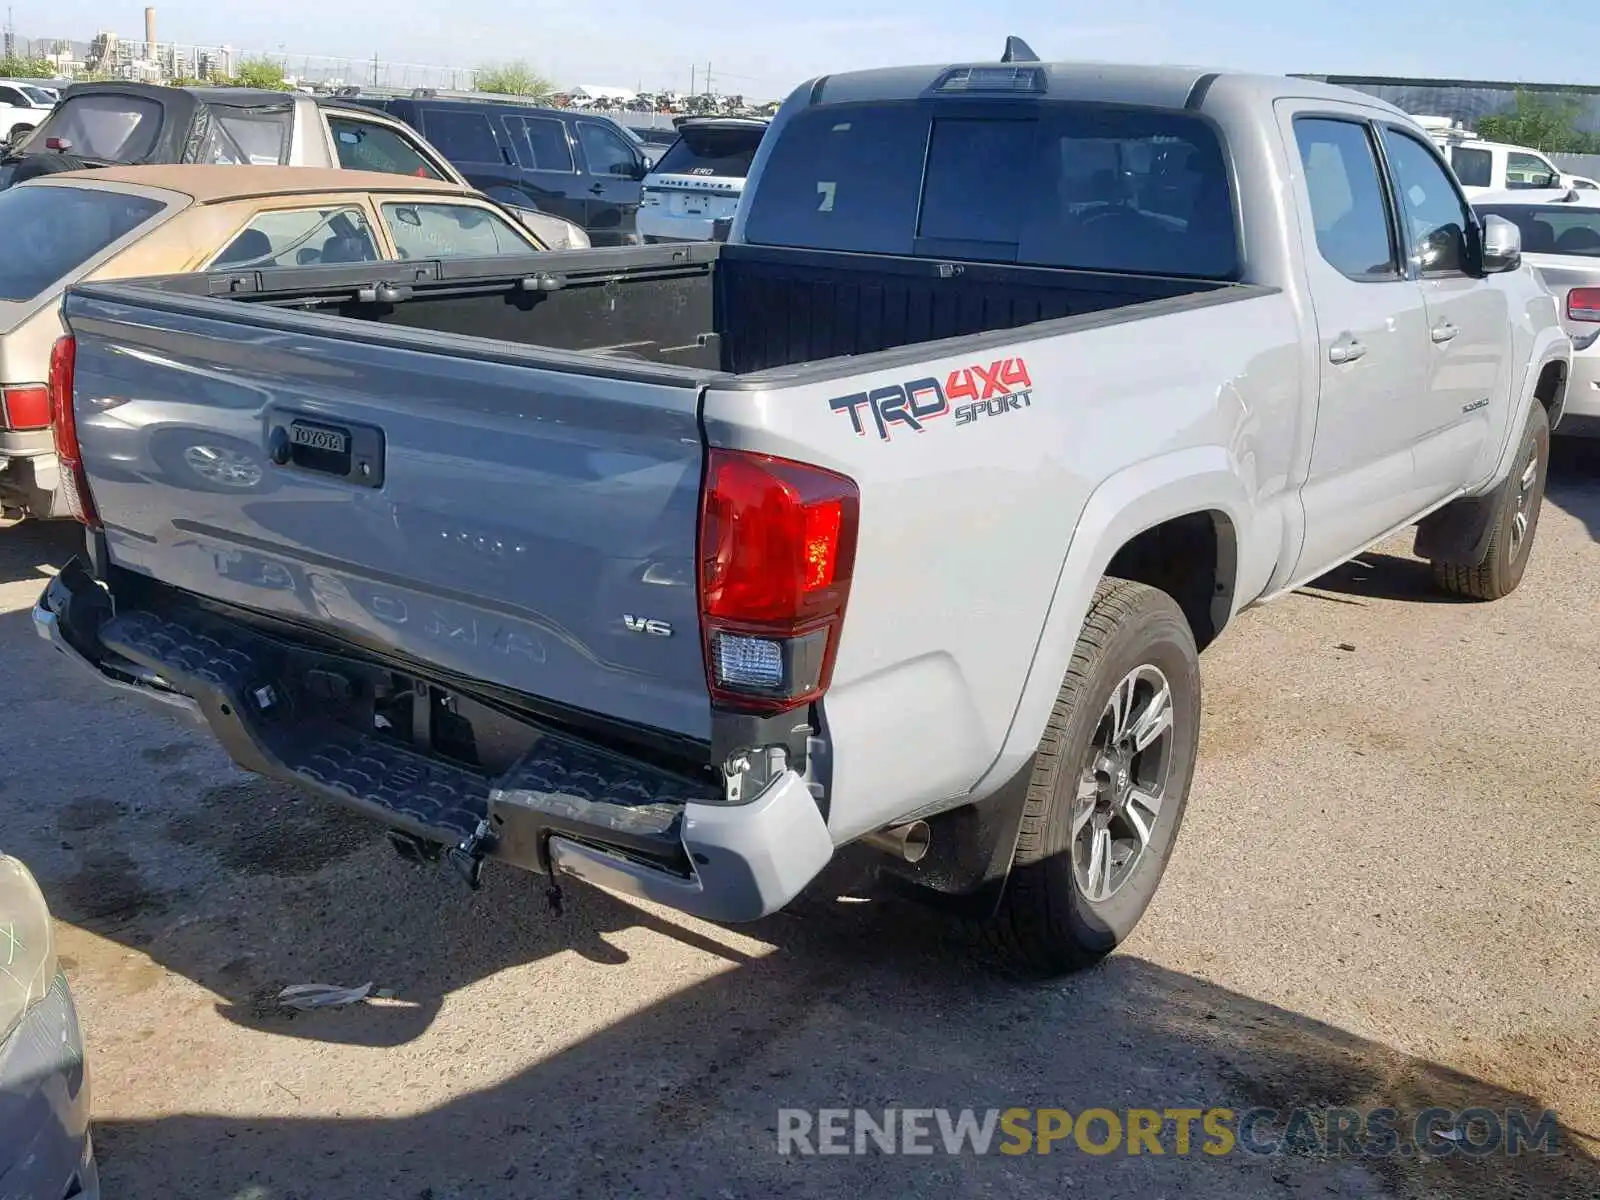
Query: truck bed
[[491, 478], [737, 309]]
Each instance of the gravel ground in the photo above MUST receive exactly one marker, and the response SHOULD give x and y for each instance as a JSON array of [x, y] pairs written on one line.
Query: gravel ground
[[1385, 894]]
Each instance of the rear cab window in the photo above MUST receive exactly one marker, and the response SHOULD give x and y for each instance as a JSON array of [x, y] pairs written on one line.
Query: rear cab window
[[68, 228], [121, 129], [1092, 187], [721, 151]]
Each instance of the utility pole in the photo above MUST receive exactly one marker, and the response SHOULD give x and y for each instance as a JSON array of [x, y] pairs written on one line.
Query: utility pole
[[691, 80], [709, 92], [374, 69]]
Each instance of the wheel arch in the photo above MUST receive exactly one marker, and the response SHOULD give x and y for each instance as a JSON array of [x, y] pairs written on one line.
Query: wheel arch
[[1193, 502]]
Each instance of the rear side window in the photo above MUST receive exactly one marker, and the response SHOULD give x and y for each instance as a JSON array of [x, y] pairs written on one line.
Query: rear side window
[[244, 136], [365, 146], [1529, 171], [120, 129], [67, 227], [1474, 168], [301, 237], [463, 136], [1348, 211], [544, 145], [725, 152], [1084, 186], [451, 231]]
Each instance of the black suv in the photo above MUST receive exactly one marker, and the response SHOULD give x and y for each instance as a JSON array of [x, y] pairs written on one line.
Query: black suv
[[581, 166]]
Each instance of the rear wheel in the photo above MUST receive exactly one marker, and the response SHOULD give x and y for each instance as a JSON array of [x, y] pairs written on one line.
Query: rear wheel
[[1109, 787], [1515, 521]]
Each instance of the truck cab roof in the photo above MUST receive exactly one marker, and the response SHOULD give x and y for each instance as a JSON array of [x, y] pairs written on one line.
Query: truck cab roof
[[1104, 83]]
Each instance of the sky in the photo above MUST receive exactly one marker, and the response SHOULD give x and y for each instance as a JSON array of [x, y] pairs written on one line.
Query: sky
[[764, 48]]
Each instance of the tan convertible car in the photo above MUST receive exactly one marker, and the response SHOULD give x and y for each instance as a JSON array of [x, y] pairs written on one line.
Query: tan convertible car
[[124, 222]]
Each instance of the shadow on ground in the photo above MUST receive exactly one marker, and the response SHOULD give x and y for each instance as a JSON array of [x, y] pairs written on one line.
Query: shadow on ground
[[869, 1009], [1574, 483], [28, 547], [1378, 576], [243, 886]]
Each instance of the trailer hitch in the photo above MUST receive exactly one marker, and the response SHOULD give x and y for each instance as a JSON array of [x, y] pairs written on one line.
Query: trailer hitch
[[467, 857]]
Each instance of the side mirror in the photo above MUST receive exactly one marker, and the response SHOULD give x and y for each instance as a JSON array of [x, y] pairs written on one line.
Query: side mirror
[[1502, 245]]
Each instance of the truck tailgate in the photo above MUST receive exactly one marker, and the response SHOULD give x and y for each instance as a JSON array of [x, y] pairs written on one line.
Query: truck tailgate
[[523, 526]]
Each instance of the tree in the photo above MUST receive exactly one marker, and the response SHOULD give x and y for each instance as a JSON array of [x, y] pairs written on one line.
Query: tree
[[12, 67], [261, 73], [1548, 124], [515, 78]]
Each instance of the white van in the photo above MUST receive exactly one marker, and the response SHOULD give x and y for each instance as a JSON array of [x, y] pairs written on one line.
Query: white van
[[1484, 167]]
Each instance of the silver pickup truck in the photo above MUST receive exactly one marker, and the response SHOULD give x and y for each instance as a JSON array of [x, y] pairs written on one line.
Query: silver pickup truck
[[900, 517]]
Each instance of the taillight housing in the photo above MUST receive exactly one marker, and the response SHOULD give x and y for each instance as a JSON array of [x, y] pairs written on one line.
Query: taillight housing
[[24, 408], [777, 552], [74, 482], [1583, 304]]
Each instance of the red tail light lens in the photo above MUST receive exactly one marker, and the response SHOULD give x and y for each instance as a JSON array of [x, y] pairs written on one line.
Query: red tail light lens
[[777, 551], [74, 482], [25, 408], [1583, 304]]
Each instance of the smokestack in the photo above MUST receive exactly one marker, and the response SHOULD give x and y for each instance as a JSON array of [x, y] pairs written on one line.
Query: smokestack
[[150, 28]]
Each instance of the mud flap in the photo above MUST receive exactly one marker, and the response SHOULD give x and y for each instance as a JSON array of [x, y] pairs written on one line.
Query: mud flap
[[970, 852], [1460, 531]]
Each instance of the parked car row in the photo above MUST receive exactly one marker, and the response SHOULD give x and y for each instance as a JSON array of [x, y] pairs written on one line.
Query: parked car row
[[23, 104], [1561, 242], [575, 178]]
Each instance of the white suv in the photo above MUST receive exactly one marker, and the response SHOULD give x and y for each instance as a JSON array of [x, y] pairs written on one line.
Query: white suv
[[700, 178]]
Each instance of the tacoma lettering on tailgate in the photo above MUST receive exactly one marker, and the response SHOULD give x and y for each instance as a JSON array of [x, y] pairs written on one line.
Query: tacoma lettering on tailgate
[[969, 392]]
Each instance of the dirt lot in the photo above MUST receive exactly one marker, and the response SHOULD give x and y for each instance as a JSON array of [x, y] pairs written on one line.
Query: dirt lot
[[1385, 894]]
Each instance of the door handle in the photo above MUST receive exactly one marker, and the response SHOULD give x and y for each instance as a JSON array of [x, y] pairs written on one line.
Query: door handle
[[1444, 331], [598, 189], [1346, 350]]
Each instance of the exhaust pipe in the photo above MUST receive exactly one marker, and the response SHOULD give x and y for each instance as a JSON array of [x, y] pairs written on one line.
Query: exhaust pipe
[[909, 841]]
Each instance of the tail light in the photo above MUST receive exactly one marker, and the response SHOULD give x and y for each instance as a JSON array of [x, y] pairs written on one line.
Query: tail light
[[74, 482], [25, 408], [1583, 304], [777, 551]]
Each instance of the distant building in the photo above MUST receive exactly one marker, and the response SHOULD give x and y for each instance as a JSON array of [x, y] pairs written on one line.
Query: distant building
[[587, 93], [1469, 100]]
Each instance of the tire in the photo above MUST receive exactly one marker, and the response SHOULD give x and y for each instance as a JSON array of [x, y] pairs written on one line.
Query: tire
[[1515, 522], [1049, 920]]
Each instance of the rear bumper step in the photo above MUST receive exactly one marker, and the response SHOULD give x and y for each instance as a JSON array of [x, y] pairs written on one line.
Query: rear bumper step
[[566, 806]]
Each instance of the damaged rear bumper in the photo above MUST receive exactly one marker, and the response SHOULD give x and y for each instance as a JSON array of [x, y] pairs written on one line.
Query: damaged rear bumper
[[566, 806]]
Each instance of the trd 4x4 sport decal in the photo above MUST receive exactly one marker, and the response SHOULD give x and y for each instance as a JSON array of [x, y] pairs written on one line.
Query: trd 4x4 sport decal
[[967, 392]]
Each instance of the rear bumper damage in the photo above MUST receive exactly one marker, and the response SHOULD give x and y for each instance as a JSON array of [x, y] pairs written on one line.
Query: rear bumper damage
[[565, 807]]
